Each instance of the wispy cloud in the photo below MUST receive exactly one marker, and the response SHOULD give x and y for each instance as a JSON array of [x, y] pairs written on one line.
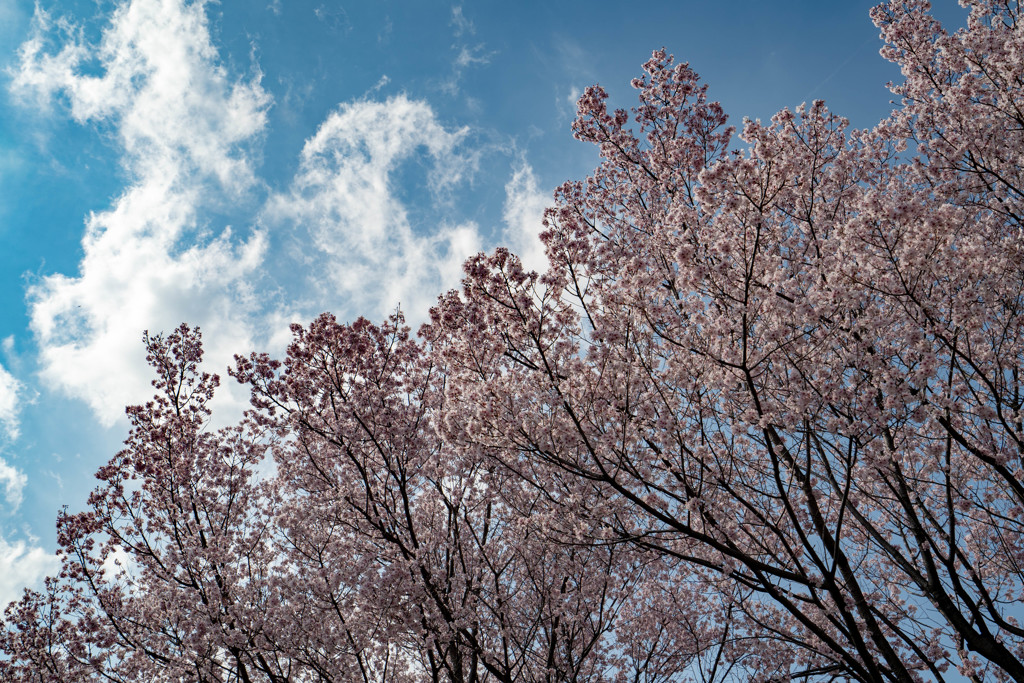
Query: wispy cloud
[[349, 221], [13, 481], [467, 55], [459, 21], [10, 403], [184, 128], [523, 214]]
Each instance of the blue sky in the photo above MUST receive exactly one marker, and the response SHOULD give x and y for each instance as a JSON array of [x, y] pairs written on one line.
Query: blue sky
[[241, 165]]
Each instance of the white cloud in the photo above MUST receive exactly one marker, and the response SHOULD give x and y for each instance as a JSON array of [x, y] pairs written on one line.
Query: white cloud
[[13, 481], [176, 109], [523, 214], [468, 56], [184, 127], [574, 96], [366, 255], [10, 394], [22, 564], [381, 83], [460, 22]]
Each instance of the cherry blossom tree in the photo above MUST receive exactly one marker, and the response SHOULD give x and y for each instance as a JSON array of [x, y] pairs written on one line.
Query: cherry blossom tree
[[395, 540], [794, 367], [761, 418], [367, 550], [165, 576]]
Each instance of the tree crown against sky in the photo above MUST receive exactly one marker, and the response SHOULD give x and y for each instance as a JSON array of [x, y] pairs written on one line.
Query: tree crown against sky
[[760, 418], [245, 166]]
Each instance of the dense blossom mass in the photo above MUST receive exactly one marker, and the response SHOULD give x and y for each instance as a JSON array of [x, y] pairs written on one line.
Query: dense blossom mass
[[761, 418]]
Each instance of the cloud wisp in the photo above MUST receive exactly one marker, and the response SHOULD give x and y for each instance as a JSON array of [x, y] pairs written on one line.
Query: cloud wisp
[[460, 23], [523, 215], [10, 400], [13, 481], [347, 222]]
